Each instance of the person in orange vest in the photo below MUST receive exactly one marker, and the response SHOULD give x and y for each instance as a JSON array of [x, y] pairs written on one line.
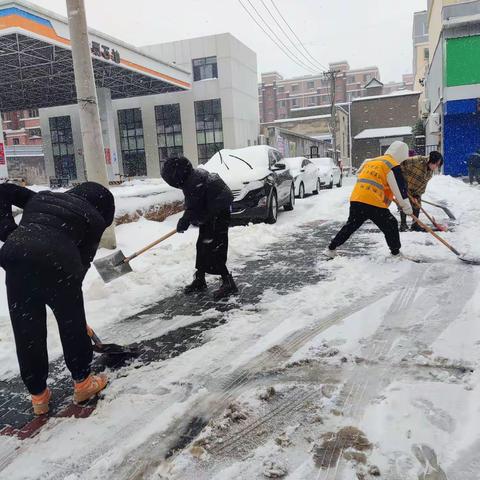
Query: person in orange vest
[[379, 181]]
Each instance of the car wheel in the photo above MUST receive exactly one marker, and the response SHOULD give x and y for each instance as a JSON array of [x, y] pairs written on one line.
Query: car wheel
[[331, 183], [272, 208], [301, 191], [291, 203], [319, 186], [339, 184]]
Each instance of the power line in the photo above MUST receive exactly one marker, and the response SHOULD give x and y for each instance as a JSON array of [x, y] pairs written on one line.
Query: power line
[[316, 65], [296, 36], [284, 50]]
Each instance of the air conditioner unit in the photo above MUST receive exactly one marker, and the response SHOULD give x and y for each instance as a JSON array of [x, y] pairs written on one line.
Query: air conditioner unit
[[425, 107], [435, 123]]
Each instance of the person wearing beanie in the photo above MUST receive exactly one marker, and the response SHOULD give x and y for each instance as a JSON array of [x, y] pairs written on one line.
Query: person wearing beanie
[[208, 203], [46, 258], [418, 171], [379, 181]]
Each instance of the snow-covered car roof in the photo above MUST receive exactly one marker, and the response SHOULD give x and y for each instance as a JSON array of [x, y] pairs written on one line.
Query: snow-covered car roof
[[293, 162], [236, 166], [322, 161]]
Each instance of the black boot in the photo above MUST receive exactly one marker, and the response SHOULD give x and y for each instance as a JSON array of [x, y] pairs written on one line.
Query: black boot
[[403, 227], [416, 228], [226, 289], [198, 285]]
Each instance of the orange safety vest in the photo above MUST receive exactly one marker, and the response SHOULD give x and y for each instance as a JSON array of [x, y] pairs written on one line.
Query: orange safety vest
[[372, 186]]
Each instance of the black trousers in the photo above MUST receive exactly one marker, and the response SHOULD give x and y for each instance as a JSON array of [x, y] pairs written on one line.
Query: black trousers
[[359, 214], [29, 291], [212, 245]]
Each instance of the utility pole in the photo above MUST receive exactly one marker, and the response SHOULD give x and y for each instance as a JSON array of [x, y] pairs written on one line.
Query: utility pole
[[331, 75], [93, 148]]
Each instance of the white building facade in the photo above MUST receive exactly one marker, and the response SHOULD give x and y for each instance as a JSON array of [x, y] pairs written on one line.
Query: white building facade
[[140, 133]]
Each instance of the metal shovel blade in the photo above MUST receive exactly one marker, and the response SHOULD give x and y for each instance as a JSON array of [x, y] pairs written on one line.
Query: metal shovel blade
[[112, 266]]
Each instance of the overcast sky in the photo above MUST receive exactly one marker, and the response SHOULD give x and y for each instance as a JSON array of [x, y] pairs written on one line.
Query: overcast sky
[[366, 32]]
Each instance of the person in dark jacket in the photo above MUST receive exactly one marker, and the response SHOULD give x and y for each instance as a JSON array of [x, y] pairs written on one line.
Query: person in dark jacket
[[474, 167], [46, 258], [207, 205]]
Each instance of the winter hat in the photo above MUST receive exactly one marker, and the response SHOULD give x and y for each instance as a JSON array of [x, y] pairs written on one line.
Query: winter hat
[[398, 150], [176, 170], [98, 196]]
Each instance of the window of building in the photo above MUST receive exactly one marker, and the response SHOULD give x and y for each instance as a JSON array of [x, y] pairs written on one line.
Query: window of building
[[283, 103], [169, 131], [310, 85], [35, 132], [16, 141], [295, 88], [208, 120], [350, 79], [132, 143], [281, 89], [426, 54], [33, 113], [204, 68], [312, 101], [62, 147]]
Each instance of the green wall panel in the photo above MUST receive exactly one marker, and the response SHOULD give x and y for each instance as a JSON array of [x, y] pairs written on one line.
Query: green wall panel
[[463, 61]]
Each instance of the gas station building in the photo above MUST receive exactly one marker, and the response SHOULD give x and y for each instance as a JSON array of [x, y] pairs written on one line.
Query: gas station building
[[189, 97]]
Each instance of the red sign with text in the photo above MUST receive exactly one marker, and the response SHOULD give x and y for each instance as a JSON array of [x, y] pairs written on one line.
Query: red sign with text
[[108, 156], [3, 160]]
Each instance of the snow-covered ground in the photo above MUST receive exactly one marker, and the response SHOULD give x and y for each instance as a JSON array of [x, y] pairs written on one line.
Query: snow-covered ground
[[370, 373]]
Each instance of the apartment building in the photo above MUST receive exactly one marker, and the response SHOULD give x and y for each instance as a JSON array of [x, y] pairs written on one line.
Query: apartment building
[[22, 127], [278, 96], [421, 50]]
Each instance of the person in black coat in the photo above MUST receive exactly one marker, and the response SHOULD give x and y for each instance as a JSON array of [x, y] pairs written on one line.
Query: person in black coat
[[473, 164], [46, 258], [207, 205]]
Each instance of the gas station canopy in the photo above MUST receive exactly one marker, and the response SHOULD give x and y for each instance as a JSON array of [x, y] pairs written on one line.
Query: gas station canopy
[[36, 67]]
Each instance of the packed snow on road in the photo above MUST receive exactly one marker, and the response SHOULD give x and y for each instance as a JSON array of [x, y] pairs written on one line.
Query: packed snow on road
[[362, 367]]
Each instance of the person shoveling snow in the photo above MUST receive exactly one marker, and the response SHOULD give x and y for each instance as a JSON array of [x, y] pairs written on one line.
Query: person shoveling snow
[[207, 204], [379, 181], [46, 258]]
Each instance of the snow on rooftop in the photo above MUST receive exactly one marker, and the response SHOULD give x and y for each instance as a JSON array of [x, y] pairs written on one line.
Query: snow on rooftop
[[293, 119], [384, 132], [398, 93]]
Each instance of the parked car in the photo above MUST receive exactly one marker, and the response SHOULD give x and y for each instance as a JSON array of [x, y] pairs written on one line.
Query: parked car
[[305, 174], [330, 174], [260, 182]]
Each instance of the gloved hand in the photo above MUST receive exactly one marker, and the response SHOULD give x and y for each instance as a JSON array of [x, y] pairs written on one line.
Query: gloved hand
[[199, 220], [407, 207], [183, 224]]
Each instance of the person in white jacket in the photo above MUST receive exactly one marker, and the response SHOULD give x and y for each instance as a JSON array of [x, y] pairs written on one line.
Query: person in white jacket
[[379, 181]]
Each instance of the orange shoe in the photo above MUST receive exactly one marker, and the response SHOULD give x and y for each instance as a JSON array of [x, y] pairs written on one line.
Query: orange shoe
[[89, 387], [40, 402]]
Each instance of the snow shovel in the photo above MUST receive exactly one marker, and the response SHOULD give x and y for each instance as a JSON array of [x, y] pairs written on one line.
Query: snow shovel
[[445, 209], [438, 226], [462, 257], [116, 265], [110, 348]]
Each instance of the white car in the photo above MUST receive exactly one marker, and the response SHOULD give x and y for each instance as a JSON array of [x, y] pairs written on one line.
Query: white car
[[329, 173], [305, 174]]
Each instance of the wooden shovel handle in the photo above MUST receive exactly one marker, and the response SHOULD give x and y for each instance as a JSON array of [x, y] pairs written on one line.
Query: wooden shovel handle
[[431, 232], [438, 237], [150, 245], [418, 204]]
